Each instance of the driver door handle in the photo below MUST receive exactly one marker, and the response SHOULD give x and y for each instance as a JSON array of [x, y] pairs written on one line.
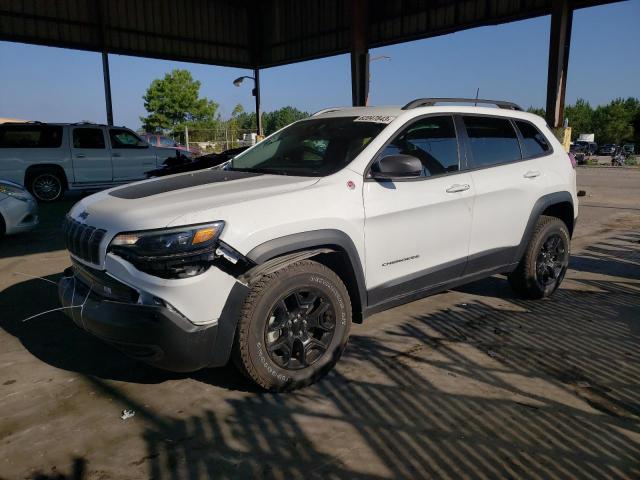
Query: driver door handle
[[532, 174], [80, 155], [116, 154], [458, 188]]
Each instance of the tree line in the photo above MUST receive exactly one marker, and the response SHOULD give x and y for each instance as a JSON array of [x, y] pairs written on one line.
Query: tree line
[[173, 103], [616, 122]]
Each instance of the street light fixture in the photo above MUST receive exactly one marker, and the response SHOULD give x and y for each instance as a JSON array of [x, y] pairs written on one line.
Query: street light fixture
[[256, 93]]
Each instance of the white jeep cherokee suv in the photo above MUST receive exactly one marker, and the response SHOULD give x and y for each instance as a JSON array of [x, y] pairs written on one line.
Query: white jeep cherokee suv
[[269, 259]]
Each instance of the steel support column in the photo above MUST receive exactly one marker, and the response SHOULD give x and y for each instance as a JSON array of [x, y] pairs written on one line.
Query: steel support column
[[107, 87], [256, 93], [559, 44], [359, 52]]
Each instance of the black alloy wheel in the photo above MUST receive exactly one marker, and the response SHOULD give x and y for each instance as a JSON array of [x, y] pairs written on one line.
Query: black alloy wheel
[[300, 328], [552, 261]]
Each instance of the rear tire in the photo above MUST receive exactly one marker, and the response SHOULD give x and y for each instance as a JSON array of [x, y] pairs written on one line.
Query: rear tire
[[46, 185], [3, 226], [293, 327], [545, 261]]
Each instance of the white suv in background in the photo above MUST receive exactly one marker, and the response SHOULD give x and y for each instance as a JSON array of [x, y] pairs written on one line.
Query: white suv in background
[[50, 158], [269, 258]]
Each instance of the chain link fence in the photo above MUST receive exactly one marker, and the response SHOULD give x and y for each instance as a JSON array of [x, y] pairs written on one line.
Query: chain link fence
[[216, 140]]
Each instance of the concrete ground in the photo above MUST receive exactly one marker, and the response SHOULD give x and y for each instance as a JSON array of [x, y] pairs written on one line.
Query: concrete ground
[[469, 383]]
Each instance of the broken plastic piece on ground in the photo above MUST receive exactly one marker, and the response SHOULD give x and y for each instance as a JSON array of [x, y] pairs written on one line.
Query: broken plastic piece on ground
[[582, 193], [127, 414]]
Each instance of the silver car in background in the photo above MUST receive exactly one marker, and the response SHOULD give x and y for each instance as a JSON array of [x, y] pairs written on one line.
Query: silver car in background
[[18, 209]]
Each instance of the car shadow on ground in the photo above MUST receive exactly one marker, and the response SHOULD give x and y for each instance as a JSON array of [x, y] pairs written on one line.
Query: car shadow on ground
[[402, 399], [30, 312]]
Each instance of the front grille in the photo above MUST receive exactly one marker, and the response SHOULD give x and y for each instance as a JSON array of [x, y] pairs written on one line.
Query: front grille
[[83, 240]]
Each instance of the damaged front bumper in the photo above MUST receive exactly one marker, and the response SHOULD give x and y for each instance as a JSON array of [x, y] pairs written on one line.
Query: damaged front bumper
[[155, 333]]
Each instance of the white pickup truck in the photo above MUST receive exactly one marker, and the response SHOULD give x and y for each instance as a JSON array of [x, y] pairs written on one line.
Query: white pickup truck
[[50, 158]]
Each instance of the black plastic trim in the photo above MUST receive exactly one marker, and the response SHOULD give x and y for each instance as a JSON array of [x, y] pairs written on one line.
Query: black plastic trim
[[313, 239], [491, 259], [429, 102], [540, 206], [153, 334], [415, 282]]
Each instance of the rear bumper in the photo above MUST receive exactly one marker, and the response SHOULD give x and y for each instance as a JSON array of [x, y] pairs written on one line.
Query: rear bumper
[[154, 334]]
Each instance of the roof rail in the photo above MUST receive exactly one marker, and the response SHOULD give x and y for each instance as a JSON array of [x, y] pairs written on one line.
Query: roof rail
[[327, 110], [429, 102]]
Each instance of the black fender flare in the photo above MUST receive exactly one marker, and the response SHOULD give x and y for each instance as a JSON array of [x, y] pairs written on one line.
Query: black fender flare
[[275, 254], [314, 239], [540, 206]]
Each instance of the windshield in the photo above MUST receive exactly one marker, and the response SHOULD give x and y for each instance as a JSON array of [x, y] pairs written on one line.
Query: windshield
[[314, 148]]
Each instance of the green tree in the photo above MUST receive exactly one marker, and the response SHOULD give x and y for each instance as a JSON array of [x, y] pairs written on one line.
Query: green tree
[[174, 101], [613, 123], [580, 118], [273, 121], [537, 111]]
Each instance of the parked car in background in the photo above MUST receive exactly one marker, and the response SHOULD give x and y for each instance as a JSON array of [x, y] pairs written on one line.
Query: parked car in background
[[607, 149], [200, 163], [18, 209], [49, 158], [167, 142], [629, 148], [588, 148]]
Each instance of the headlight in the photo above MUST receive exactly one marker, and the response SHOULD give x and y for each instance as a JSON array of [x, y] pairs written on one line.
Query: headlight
[[14, 190], [171, 242], [170, 253]]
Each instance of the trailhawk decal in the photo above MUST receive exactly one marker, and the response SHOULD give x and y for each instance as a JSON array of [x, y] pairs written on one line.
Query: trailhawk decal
[[406, 259], [375, 118]]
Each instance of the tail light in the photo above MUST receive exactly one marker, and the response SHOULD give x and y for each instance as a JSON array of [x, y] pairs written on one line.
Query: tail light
[[572, 159]]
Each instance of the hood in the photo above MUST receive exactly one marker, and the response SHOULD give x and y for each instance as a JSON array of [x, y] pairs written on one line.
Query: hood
[[160, 202]]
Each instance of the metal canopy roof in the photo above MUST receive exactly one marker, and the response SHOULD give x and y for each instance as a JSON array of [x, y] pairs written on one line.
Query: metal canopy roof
[[246, 33]]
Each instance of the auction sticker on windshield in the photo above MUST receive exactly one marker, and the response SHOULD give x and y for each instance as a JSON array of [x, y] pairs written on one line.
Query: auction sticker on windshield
[[375, 118]]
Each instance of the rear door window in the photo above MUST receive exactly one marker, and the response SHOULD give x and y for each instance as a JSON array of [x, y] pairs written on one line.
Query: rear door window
[[30, 136], [534, 143], [88, 138], [492, 140], [122, 138]]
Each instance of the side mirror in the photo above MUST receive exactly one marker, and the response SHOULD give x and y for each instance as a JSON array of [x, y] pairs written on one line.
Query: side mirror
[[396, 166]]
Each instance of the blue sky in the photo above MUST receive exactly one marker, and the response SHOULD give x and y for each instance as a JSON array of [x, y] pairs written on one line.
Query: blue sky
[[507, 62]]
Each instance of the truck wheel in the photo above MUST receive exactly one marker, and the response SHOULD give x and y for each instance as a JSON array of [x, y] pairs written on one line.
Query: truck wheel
[[293, 327], [544, 263], [46, 186]]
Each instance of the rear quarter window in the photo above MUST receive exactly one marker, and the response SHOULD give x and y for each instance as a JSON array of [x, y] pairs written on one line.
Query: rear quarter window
[[534, 143], [30, 136]]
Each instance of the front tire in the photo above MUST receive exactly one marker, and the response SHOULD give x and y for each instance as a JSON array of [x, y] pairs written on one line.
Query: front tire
[[545, 261], [293, 327]]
